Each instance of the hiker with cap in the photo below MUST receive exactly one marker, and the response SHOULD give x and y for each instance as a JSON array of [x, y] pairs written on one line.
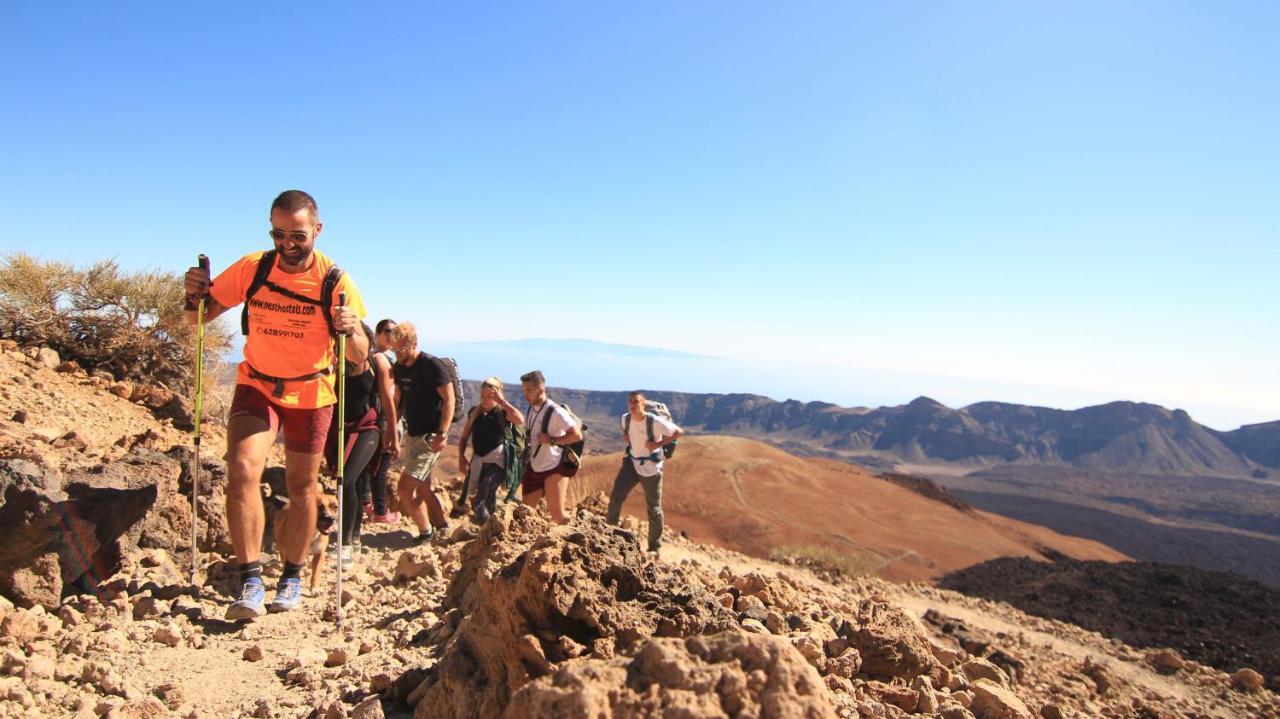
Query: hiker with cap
[[551, 428], [374, 483], [490, 427], [646, 435], [362, 440], [427, 400], [292, 312]]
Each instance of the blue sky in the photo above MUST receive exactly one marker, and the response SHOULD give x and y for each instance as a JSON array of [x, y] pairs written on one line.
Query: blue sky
[[1051, 203]]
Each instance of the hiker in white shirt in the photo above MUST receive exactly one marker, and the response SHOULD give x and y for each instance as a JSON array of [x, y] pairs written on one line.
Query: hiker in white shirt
[[543, 473], [642, 464]]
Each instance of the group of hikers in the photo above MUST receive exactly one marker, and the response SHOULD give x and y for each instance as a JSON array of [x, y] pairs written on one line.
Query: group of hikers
[[296, 302]]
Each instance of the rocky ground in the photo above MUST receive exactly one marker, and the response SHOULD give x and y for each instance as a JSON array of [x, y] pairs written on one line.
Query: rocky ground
[[1221, 619], [518, 618]]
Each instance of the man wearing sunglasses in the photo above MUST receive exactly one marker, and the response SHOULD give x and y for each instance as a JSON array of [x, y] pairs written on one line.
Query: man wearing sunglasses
[[285, 384]]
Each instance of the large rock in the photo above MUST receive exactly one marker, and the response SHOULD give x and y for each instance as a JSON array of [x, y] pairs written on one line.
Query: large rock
[[73, 528], [532, 595], [891, 643], [728, 674]]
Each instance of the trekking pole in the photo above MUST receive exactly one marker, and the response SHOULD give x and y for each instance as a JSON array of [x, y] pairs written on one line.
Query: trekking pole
[[203, 262], [341, 446]]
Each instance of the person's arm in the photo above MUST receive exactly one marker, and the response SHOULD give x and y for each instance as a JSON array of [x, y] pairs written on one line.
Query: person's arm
[[390, 417], [665, 439], [447, 402], [514, 415], [462, 441], [195, 283]]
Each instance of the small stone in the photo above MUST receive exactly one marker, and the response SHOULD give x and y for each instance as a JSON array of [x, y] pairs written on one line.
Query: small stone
[[20, 416], [337, 657], [754, 625], [1165, 661], [380, 683], [370, 708], [47, 357], [992, 701], [1247, 680], [168, 634], [253, 653]]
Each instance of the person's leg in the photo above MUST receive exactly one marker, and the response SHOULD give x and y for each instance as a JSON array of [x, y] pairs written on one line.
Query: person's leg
[[653, 498], [408, 493], [379, 486], [557, 487], [304, 439], [302, 470], [485, 499], [435, 509], [361, 452], [249, 438], [622, 486]]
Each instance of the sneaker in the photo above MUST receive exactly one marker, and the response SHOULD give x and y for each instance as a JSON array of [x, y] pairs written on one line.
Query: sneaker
[[288, 595], [249, 605], [367, 508], [388, 518], [424, 536], [653, 554]]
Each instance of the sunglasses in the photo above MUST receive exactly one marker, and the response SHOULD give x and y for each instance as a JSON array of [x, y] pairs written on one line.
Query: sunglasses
[[296, 235]]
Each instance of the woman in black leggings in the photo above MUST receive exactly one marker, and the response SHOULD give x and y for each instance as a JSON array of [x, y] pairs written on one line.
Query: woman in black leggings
[[363, 440]]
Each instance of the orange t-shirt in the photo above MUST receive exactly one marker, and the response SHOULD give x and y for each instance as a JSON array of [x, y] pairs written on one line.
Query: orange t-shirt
[[287, 338]]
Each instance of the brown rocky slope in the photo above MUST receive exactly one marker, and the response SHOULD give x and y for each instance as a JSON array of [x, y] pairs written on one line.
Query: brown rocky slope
[[524, 619]]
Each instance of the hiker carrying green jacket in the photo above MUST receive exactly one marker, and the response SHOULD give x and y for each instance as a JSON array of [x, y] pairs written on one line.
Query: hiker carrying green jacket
[[645, 435], [489, 429]]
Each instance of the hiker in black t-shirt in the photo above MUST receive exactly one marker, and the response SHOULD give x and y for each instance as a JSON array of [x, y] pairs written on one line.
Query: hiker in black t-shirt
[[486, 428], [426, 402]]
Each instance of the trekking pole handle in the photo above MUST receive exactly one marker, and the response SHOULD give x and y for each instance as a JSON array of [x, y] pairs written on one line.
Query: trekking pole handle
[[203, 262]]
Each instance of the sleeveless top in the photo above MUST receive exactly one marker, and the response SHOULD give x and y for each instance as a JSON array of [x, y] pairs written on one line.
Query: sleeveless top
[[486, 431], [360, 394]]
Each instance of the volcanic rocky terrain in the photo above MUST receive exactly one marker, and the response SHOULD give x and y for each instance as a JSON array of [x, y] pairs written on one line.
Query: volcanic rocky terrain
[[518, 618]]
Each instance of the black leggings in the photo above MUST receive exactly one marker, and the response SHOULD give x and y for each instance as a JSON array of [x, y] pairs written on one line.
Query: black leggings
[[366, 444], [379, 484]]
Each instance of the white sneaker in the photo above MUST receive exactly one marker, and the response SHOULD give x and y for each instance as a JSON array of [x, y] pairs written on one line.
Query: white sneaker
[[348, 556]]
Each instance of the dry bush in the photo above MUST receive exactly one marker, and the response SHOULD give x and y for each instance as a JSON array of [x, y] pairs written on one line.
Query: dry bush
[[826, 558], [129, 323]]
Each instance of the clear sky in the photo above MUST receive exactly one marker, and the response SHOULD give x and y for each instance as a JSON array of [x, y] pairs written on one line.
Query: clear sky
[[1050, 203]]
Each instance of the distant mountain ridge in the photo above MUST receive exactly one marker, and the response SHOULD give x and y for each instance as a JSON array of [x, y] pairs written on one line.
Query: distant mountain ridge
[[1118, 437]]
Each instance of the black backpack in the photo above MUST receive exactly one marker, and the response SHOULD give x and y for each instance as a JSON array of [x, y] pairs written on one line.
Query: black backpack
[[325, 302], [578, 446], [459, 398]]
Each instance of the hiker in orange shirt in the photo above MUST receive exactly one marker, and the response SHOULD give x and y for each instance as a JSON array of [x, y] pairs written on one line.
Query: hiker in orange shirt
[[285, 383]]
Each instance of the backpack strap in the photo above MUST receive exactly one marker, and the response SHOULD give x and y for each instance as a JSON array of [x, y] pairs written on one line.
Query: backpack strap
[[327, 288], [626, 428], [265, 263], [648, 426]]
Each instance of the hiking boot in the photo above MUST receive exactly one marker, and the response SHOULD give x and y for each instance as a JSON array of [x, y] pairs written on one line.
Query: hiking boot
[[288, 595], [388, 518], [653, 554], [249, 605]]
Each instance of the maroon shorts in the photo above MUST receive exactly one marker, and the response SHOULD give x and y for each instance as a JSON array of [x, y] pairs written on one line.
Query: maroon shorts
[[305, 430], [532, 481]]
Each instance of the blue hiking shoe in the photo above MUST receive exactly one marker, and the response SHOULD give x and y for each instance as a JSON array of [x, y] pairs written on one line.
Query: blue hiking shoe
[[288, 595], [249, 605]]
